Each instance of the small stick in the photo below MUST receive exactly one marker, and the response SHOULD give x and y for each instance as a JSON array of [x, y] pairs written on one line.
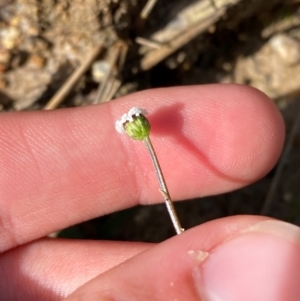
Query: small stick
[[72, 80], [147, 9], [115, 52], [153, 57], [163, 187], [114, 87], [146, 42], [122, 56]]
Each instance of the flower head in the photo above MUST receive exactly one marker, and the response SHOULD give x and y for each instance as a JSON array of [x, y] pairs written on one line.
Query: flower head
[[134, 123]]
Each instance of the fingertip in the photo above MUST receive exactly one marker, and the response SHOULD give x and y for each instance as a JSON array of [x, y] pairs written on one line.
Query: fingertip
[[253, 258], [262, 262], [248, 131], [220, 137]]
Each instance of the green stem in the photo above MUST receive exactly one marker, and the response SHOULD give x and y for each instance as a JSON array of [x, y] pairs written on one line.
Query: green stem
[[163, 187]]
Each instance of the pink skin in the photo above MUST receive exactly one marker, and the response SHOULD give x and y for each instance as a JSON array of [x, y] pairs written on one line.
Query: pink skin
[[257, 266], [240, 266], [63, 167]]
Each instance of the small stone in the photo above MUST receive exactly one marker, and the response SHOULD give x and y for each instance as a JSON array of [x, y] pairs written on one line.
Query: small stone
[[15, 21], [287, 48], [37, 61], [99, 70], [9, 37]]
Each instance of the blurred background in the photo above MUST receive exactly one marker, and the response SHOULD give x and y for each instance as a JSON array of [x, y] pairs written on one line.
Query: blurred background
[[67, 53]]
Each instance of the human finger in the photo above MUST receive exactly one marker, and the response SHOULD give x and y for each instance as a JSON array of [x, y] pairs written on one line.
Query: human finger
[[63, 167], [233, 259], [51, 269]]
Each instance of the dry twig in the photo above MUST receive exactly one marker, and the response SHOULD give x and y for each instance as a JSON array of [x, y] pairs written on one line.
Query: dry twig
[[108, 87], [149, 43], [147, 9], [155, 56], [113, 88], [72, 80]]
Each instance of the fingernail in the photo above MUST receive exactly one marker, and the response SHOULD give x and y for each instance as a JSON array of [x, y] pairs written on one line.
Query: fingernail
[[261, 263]]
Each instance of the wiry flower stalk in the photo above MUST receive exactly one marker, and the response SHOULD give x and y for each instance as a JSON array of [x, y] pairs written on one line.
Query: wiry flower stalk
[[137, 126]]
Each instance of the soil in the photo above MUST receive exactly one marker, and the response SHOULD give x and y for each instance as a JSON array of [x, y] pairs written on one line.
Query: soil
[[250, 42]]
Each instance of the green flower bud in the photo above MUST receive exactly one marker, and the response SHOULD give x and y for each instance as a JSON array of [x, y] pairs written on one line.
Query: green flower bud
[[138, 128], [134, 123]]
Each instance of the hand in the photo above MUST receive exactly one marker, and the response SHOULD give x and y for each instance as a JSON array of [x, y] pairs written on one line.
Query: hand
[[62, 167]]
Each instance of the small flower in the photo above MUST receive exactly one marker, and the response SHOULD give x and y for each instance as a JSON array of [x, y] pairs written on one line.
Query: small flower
[[137, 126], [134, 123]]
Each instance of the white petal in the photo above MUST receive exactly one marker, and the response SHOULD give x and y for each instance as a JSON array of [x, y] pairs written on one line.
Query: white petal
[[128, 117], [119, 126], [135, 111]]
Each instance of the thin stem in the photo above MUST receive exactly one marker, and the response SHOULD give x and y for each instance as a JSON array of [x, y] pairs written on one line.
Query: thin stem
[[73, 79], [163, 187], [147, 9]]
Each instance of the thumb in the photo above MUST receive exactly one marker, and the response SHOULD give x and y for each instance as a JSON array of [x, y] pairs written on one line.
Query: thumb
[[231, 259]]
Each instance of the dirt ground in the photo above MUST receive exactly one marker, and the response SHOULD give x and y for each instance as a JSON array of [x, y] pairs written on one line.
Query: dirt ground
[[99, 50]]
